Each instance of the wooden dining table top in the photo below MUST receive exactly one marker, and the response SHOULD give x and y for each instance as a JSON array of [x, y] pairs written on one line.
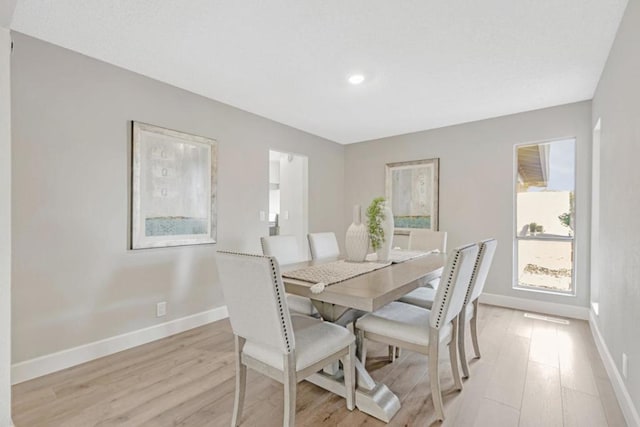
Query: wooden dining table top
[[369, 291]]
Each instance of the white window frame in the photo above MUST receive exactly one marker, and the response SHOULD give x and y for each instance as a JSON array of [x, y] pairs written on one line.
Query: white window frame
[[516, 239]]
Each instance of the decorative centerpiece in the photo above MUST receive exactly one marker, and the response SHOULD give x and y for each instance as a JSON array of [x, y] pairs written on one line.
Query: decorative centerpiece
[[357, 239], [380, 226]]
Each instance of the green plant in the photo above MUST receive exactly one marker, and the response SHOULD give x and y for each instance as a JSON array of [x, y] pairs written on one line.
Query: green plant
[[375, 216], [565, 218], [532, 227]]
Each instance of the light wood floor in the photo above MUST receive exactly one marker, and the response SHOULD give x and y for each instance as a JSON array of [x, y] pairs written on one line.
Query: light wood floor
[[532, 373]]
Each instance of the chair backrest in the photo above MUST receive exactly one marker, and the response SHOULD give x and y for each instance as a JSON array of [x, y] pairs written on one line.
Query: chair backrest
[[481, 269], [254, 294], [285, 248], [323, 245], [427, 240], [454, 284]]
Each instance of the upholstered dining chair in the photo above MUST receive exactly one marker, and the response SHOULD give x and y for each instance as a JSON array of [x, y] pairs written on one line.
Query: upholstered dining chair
[[424, 297], [323, 245], [287, 251], [284, 247], [428, 240], [470, 311], [425, 331], [424, 240], [287, 348]]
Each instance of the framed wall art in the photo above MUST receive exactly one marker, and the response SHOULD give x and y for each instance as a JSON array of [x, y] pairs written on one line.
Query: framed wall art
[[412, 191], [173, 188]]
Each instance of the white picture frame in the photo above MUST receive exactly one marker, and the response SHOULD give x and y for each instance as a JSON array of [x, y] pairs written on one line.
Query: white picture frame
[[174, 187]]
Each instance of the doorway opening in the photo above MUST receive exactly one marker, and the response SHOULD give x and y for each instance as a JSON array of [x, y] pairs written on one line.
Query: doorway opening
[[288, 197]]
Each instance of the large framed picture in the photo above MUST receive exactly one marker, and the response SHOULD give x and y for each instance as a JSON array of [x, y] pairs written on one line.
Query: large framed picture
[[173, 197], [412, 191]]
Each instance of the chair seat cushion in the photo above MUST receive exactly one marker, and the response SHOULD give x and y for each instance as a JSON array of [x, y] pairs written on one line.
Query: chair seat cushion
[[314, 339], [300, 305], [420, 297], [469, 311], [423, 297], [434, 283], [403, 322]]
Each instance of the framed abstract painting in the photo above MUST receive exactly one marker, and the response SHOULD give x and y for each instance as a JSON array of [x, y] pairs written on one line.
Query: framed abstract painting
[[174, 185], [412, 191]]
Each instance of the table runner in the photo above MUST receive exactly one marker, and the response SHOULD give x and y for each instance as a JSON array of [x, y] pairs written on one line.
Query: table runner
[[334, 272], [397, 256]]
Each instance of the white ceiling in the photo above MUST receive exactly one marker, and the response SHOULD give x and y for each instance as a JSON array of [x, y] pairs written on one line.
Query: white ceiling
[[428, 63]]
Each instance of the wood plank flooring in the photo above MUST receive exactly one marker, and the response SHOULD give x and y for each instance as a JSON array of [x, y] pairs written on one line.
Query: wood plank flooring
[[532, 373]]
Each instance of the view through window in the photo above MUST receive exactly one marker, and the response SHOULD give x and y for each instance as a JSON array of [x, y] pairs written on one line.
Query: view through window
[[545, 216]]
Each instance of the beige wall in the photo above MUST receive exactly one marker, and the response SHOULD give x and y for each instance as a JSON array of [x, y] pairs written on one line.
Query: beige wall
[[5, 228], [477, 182], [74, 279], [616, 103]]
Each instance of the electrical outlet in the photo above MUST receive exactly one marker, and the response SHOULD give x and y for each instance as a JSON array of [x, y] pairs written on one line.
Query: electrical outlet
[[286, 214], [161, 309], [625, 365], [263, 216]]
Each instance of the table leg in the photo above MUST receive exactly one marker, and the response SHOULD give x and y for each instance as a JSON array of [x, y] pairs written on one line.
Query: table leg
[[375, 399]]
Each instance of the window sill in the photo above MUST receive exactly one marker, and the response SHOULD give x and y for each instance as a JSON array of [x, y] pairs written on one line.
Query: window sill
[[547, 237], [571, 293]]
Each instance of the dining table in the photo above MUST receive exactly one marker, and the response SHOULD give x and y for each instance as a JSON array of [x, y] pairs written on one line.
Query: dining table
[[343, 302]]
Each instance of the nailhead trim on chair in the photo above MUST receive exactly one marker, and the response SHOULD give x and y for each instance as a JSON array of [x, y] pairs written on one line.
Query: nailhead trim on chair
[[445, 298], [275, 276], [474, 273]]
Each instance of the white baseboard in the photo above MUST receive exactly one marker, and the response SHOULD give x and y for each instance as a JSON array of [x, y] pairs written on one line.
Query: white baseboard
[[551, 308], [622, 394], [49, 363]]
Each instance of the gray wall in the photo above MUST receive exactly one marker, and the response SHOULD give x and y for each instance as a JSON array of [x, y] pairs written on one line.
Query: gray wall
[[74, 280], [5, 228], [616, 103], [477, 182], [7, 8]]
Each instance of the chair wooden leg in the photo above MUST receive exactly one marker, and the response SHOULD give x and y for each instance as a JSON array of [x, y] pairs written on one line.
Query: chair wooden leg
[[289, 390], [461, 344], [241, 383], [453, 355], [474, 329], [434, 378], [394, 353], [361, 347], [349, 368]]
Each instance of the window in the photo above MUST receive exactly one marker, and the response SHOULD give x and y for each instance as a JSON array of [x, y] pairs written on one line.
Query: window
[[545, 216]]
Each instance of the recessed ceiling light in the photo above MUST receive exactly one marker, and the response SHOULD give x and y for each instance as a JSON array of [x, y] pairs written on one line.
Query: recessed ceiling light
[[356, 79]]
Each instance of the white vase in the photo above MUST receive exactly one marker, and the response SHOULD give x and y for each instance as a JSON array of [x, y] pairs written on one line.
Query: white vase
[[357, 239], [388, 227]]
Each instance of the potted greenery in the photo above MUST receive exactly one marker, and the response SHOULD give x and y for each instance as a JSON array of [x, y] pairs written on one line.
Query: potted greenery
[[380, 227], [375, 215]]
